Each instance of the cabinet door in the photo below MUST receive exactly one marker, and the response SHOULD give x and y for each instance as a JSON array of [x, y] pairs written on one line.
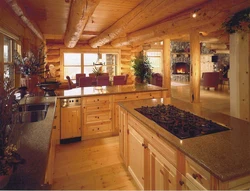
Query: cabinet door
[[136, 156], [123, 134], [70, 122], [162, 173]]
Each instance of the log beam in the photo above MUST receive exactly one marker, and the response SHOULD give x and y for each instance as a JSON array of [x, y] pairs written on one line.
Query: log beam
[[130, 19], [209, 15], [80, 12], [20, 13]]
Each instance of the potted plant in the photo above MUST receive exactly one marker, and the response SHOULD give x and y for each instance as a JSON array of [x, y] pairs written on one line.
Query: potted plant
[[9, 156], [142, 68]]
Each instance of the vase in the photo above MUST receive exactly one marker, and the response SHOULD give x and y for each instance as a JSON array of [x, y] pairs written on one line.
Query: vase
[[4, 179], [32, 82]]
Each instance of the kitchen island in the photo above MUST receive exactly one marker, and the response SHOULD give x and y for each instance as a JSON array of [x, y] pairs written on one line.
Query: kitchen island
[[94, 110], [215, 161]]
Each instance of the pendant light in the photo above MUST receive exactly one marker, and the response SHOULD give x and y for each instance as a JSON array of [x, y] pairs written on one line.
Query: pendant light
[[99, 59]]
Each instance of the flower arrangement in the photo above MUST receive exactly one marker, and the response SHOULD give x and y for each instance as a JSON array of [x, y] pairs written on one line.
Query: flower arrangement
[[29, 64], [142, 68], [9, 156], [240, 21], [97, 71]]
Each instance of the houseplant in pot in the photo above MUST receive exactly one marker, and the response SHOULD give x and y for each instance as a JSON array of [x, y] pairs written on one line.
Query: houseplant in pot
[[9, 157], [142, 68]]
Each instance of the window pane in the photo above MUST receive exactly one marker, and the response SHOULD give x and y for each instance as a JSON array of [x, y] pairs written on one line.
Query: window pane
[[89, 58], [88, 69], [71, 72], [72, 59], [7, 49]]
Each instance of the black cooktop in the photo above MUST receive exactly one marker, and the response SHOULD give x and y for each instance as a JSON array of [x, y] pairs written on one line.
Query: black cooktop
[[180, 123]]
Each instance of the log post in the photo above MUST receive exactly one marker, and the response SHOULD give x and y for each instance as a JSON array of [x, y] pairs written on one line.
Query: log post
[[195, 67], [166, 65], [239, 76]]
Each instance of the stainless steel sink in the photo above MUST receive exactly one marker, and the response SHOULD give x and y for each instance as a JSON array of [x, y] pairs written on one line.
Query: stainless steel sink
[[33, 107], [31, 113], [31, 116]]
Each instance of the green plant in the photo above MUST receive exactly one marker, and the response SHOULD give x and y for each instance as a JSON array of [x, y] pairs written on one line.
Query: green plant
[[29, 64], [240, 21], [97, 71], [8, 108], [142, 67]]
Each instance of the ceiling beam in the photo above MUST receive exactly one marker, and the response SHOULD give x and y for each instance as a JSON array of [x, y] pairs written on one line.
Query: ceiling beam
[[130, 19], [80, 12], [20, 13], [210, 15]]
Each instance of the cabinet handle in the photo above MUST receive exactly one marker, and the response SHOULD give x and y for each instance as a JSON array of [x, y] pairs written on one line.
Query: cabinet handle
[[55, 117], [125, 97], [97, 107], [54, 127], [97, 99], [196, 176], [144, 145], [181, 182]]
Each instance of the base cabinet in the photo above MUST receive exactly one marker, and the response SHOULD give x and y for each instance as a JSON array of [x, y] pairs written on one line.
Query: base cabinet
[[162, 173], [136, 156], [70, 122]]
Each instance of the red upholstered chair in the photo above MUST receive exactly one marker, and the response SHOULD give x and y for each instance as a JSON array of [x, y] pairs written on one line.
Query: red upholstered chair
[[102, 81], [119, 80], [85, 81], [78, 76], [157, 79], [93, 76], [210, 79], [70, 83]]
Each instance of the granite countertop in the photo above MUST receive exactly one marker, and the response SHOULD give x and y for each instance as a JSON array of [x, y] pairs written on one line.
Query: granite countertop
[[33, 140], [97, 90], [226, 155]]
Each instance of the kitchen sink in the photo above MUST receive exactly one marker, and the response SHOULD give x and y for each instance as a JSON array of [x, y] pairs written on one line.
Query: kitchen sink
[[31, 113], [33, 107]]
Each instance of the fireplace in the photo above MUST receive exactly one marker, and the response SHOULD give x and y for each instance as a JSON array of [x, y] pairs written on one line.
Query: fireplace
[[180, 71], [180, 68]]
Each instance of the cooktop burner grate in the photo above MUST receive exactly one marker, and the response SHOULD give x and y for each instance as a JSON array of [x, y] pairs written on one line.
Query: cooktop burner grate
[[180, 123]]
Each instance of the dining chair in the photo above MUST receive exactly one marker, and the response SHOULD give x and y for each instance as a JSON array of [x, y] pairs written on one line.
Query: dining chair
[[85, 82], [102, 81], [70, 83], [119, 80], [78, 76], [93, 76]]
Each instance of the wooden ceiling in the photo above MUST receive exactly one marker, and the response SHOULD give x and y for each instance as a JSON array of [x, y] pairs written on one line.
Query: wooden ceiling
[[127, 22]]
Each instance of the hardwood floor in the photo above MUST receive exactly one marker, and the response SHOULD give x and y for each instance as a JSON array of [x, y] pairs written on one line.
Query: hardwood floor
[[96, 164], [91, 165]]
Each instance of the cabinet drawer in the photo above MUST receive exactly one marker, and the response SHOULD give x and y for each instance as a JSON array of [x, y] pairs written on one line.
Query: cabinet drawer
[[96, 100], [124, 97], [150, 95], [93, 129], [197, 175], [98, 117], [100, 107]]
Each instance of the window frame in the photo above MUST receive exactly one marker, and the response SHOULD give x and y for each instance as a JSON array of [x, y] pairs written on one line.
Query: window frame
[[88, 50]]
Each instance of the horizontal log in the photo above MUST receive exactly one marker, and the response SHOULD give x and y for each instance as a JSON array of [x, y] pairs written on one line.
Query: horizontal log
[[211, 14], [22, 15], [53, 52], [80, 12], [53, 58]]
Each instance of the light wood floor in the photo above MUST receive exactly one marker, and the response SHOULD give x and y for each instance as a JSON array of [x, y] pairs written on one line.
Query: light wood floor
[[96, 164]]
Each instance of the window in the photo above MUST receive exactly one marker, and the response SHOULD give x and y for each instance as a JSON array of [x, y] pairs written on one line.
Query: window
[[8, 48], [83, 63], [155, 58]]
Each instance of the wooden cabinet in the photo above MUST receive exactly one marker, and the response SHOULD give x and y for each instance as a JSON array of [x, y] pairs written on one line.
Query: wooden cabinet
[[96, 116], [56, 122], [136, 148], [70, 122], [162, 173], [123, 129]]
